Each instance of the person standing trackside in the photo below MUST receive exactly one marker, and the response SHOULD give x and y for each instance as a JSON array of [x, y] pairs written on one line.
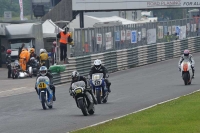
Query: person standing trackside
[[53, 52], [20, 49], [65, 38]]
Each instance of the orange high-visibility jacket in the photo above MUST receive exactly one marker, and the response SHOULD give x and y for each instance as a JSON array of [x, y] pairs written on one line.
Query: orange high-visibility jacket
[[64, 37]]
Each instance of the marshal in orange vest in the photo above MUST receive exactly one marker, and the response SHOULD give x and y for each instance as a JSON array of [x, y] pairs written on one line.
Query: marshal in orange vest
[[64, 38]]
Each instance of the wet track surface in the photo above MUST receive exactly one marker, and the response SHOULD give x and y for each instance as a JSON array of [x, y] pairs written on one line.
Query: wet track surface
[[133, 89]]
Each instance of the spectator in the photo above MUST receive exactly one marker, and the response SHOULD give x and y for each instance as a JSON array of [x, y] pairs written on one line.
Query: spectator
[[65, 38], [53, 52]]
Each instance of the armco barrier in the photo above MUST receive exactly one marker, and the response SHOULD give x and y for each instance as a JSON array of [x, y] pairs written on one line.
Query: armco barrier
[[129, 58]]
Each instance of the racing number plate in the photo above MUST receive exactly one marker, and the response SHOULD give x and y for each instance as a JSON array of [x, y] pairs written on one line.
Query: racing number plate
[[97, 83], [42, 85]]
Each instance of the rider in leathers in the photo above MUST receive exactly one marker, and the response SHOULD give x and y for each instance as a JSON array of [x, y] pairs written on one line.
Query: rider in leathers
[[50, 76], [99, 68], [187, 56], [75, 78]]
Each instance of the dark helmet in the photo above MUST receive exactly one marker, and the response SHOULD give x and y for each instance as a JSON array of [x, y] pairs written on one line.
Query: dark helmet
[[75, 75], [186, 52], [8, 51]]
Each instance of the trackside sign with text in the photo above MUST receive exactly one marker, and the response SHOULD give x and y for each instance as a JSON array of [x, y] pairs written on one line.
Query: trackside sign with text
[[131, 4]]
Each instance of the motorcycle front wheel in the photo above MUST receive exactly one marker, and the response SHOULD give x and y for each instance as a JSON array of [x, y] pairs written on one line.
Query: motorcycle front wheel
[[82, 107], [43, 100], [98, 96]]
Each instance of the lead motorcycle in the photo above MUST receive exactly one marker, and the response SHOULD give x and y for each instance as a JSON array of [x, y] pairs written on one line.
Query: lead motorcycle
[[45, 93], [97, 83], [186, 72], [83, 98]]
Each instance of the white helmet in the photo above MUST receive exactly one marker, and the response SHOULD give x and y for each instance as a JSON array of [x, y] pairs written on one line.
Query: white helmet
[[43, 70], [43, 50], [97, 64]]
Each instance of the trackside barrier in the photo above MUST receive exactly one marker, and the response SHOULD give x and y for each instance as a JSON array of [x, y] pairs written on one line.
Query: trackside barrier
[[129, 58]]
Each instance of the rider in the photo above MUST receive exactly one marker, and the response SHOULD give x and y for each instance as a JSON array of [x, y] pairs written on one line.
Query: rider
[[8, 61], [187, 56], [32, 53], [44, 72], [44, 58], [75, 78], [99, 68]]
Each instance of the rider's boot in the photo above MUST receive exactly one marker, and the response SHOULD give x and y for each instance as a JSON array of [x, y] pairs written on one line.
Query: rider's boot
[[54, 91], [193, 73], [54, 97]]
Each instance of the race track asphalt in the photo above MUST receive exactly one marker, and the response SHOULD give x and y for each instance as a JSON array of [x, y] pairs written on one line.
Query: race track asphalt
[[132, 90]]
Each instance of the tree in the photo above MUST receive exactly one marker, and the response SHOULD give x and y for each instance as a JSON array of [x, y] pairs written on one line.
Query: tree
[[13, 5], [170, 13]]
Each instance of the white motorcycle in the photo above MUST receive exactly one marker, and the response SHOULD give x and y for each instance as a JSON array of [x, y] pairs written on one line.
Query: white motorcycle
[[45, 93], [186, 71]]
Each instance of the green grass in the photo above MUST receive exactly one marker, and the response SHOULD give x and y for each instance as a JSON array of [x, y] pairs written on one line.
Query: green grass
[[177, 116]]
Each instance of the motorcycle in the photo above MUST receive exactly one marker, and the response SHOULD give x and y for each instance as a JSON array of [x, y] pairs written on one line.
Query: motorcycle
[[186, 72], [35, 65], [44, 91], [97, 83], [15, 69], [83, 98]]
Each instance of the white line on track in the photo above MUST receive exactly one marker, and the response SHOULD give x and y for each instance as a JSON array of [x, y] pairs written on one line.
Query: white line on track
[[14, 89], [18, 91], [133, 112]]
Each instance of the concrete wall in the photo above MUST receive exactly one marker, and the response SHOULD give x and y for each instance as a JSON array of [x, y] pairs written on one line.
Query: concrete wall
[[62, 11]]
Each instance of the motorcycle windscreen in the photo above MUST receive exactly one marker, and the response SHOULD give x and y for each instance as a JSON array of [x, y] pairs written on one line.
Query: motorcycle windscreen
[[78, 84], [97, 76]]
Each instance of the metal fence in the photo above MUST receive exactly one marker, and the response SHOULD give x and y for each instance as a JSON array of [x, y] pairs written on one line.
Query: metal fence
[[98, 40], [129, 58]]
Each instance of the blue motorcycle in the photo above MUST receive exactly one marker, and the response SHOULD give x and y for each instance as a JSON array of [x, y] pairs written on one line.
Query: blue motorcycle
[[98, 83], [45, 93]]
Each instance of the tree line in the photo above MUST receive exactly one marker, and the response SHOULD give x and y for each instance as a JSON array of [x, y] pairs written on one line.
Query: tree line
[[13, 5]]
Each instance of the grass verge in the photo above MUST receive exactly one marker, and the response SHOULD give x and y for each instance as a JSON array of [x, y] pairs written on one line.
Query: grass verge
[[178, 116]]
